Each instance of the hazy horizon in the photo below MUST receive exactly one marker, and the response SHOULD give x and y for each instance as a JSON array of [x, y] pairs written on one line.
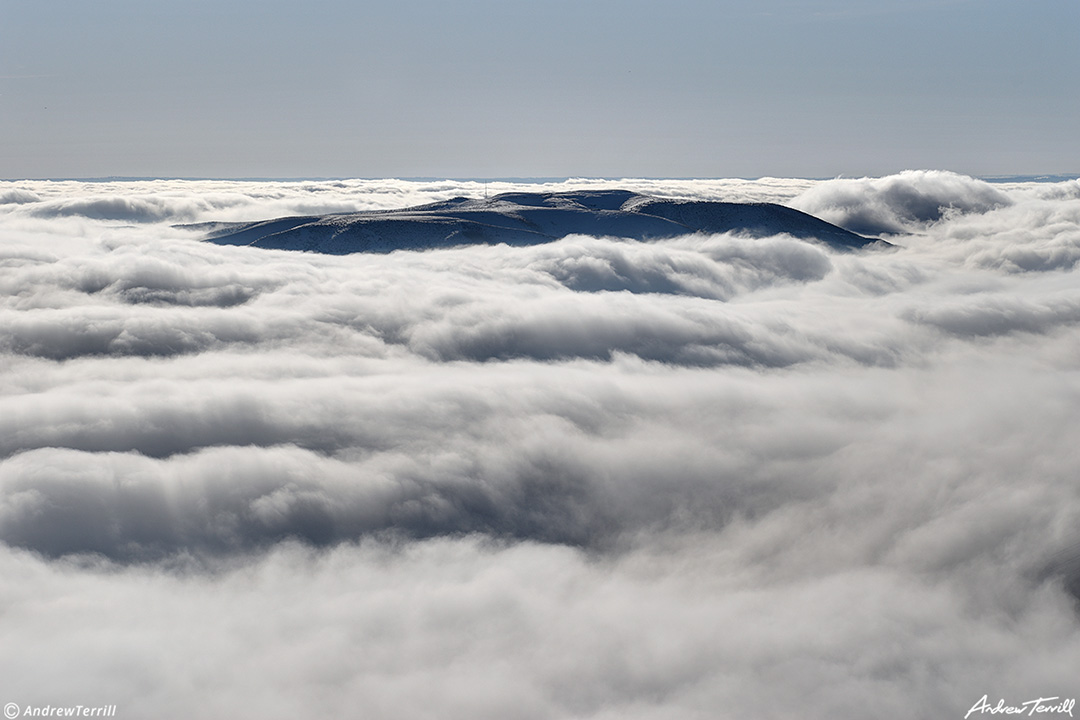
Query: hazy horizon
[[1041, 177]]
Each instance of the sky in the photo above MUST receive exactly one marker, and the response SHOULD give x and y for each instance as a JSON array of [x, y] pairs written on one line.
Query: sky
[[594, 478], [515, 88]]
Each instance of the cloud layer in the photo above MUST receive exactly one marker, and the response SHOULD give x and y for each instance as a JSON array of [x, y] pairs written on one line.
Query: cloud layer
[[900, 203], [591, 478]]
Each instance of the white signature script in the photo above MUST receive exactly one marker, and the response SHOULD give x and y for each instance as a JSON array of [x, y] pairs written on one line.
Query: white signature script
[[1031, 707]]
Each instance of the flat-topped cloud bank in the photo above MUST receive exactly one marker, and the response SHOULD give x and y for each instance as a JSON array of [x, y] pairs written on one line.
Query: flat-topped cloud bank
[[528, 218], [592, 477]]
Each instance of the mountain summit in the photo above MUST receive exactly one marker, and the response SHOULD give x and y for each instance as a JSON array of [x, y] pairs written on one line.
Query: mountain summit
[[522, 218]]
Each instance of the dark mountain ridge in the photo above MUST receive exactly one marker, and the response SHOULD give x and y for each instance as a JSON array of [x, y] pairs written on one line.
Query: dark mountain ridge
[[522, 218]]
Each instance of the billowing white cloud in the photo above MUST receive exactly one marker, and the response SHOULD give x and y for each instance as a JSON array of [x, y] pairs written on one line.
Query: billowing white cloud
[[186, 201], [464, 628], [899, 203], [591, 478]]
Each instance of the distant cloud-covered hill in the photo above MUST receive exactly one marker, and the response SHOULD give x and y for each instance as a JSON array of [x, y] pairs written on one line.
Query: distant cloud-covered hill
[[525, 218]]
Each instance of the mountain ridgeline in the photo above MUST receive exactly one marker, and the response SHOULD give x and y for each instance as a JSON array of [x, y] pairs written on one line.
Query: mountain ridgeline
[[522, 218]]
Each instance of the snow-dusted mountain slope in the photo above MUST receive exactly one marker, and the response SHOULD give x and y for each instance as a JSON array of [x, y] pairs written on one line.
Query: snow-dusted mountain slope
[[522, 218]]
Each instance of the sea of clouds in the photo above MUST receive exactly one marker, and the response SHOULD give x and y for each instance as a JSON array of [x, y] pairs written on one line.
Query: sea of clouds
[[711, 476]]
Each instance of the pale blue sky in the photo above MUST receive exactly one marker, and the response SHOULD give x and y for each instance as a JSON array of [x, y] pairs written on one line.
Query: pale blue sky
[[479, 88]]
